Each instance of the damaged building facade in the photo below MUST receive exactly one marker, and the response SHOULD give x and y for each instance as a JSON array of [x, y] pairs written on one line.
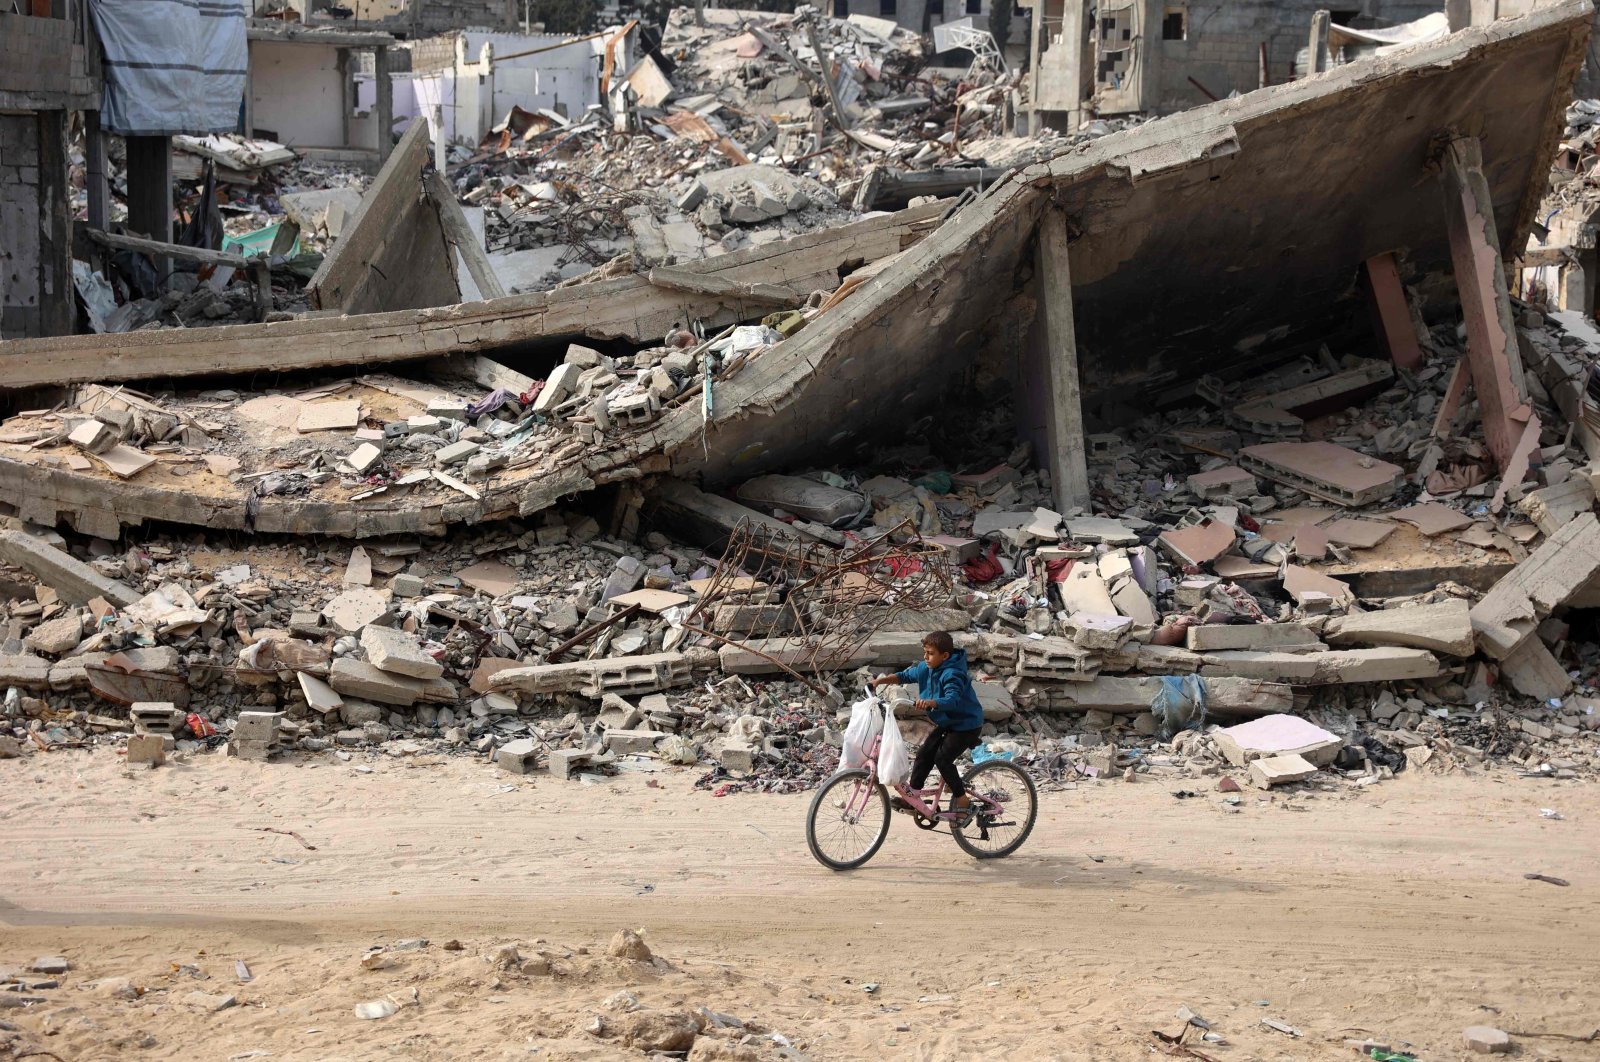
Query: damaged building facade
[[1154, 57]]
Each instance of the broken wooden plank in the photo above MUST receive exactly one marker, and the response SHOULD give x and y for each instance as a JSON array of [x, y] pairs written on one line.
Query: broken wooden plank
[[203, 255]]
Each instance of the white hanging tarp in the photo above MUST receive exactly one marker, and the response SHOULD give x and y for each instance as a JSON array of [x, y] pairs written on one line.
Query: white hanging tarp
[[172, 66]]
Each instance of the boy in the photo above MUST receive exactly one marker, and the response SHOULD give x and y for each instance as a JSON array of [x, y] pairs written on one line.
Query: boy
[[944, 691]]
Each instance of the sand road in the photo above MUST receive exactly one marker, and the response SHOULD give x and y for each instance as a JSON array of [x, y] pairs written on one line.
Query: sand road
[[1398, 912]]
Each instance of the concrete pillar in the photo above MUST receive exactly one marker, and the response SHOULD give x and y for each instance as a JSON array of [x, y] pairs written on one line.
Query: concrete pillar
[[1458, 13], [150, 187], [1492, 353], [383, 109], [1577, 280], [35, 226], [1317, 61], [1068, 463], [95, 171], [1035, 35], [1391, 316], [57, 310], [346, 95], [1074, 35]]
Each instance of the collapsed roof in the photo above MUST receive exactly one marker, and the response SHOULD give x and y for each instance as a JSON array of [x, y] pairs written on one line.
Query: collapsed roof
[[1193, 236]]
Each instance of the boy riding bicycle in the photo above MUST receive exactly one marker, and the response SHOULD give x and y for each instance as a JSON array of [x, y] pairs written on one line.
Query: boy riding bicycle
[[944, 691]]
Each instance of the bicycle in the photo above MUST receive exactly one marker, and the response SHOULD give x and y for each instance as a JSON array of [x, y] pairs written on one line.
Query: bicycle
[[849, 817]]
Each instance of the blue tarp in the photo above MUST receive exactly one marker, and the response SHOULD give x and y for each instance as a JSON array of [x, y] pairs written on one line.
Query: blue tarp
[[172, 66]]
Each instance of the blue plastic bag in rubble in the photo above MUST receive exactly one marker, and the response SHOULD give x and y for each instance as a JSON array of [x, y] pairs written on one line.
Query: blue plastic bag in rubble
[[983, 754], [1180, 705]]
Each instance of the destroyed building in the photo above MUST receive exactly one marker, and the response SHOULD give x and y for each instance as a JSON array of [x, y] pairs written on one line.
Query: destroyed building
[[1154, 57], [1123, 415]]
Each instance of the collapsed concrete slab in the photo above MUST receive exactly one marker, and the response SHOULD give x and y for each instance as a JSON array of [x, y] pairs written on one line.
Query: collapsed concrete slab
[[1154, 213], [627, 307], [1445, 627]]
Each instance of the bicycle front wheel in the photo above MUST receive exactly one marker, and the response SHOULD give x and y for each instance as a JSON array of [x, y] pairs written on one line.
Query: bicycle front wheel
[[990, 834], [848, 821]]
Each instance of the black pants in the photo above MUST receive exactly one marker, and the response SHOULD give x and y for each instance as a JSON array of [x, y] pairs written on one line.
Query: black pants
[[943, 748]]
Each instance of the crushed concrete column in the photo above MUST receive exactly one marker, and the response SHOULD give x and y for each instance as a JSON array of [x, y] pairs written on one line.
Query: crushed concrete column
[[1492, 352], [1391, 315], [1069, 465]]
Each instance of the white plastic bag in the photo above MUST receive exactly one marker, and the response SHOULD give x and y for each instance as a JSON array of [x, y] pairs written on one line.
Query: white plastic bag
[[894, 759], [865, 723]]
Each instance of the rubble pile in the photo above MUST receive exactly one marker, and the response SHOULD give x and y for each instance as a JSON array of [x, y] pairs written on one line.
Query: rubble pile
[[250, 198], [351, 439], [1129, 642], [743, 143]]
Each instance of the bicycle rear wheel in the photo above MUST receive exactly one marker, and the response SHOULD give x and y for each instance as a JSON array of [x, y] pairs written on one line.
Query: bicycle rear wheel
[[991, 836], [848, 820]]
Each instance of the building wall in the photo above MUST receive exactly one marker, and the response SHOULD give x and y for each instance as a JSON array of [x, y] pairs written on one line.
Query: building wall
[[35, 226], [294, 92], [1222, 49]]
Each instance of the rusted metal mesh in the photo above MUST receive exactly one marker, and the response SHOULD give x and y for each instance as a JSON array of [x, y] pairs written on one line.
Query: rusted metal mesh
[[807, 607]]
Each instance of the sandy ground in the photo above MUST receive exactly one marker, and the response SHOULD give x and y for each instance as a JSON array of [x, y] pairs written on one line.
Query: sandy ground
[[1398, 912]]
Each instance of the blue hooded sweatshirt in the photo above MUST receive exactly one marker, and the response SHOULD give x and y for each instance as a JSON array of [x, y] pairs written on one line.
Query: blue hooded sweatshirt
[[950, 686]]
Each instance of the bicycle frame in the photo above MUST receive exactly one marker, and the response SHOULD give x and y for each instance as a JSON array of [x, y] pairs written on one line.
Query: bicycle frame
[[913, 797]]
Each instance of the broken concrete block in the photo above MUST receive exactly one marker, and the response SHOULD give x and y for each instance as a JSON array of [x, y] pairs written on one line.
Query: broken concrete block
[[998, 705], [1200, 544], [564, 761], [1283, 636], [1324, 470], [155, 717], [1339, 666], [397, 652], [356, 608], [1269, 771], [74, 580], [320, 696], [1098, 632], [631, 742], [736, 756], [455, 453], [618, 714], [357, 678], [627, 576], [1486, 1040], [1098, 529], [363, 457], [1133, 602], [147, 748], [1553, 507], [518, 757], [1561, 567], [1533, 671], [29, 672], [562, 382], [93, 437], [1043, 525], [56, 636], [1230, 481], [692, 196], [447, 407], [1277, 735], [405, 585], [1445, 627]]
